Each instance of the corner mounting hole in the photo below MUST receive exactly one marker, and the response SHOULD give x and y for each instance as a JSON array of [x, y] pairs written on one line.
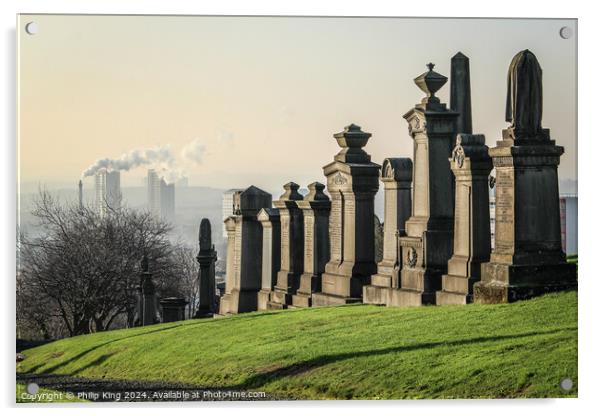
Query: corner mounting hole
[[566, 32], [31, 28]]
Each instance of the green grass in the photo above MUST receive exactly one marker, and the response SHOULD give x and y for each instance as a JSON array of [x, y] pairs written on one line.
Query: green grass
[[44, 396], [357, 351]]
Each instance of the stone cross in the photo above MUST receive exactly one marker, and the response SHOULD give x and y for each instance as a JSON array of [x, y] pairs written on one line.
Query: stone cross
[[527, 259], [270, 221], [291, 247], [352, 181], [316, 209], [471, 165], [207, 257], [396, 176], [173, 309], [427, 245], [245, 252]]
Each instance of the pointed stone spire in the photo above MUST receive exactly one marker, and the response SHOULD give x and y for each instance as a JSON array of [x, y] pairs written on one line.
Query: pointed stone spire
[[460, 101]]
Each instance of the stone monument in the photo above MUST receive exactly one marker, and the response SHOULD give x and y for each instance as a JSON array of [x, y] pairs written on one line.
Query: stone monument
[[316, 210], [244, 251], [459, 92], [427, 245], [148, 312], [270, 221], [396, 176], [471, 166], [207, 257], [352, 184], [527, 259], [291, 247], [173, 309]]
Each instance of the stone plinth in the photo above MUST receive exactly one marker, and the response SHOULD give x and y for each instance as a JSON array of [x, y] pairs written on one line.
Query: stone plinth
[[270, 221], [207, 257], [396, 176], [471, 165], [243, 275], [427, 245], [352, 184], [173, 309], [316, 210], [291, 247], [527, 259]]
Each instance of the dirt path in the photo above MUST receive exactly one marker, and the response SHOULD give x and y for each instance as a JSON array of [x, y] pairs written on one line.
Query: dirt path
[[102, 390]]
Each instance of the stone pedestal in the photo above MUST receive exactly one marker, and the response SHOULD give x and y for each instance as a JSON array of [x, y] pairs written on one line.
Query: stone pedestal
[[207, 257], [291, 247], [270, 221], [471, 165], [352, 184], [316, 210], [396, 176], [245, 276], [427, 246], [224, 302], [527, 259], [173, 309]]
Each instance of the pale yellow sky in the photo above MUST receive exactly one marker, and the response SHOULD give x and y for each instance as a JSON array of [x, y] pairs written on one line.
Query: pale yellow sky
[[259, 98]]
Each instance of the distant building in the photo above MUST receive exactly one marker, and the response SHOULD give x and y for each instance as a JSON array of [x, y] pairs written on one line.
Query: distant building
[[228, 207], [161, 197], [568, 222], [107, 191]]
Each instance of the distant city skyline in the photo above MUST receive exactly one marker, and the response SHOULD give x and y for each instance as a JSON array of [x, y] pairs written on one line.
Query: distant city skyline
[[234, 101]]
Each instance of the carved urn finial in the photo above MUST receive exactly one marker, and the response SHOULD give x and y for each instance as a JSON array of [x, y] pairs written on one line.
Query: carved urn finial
[[351, 140], [430, 82], [291, 192]]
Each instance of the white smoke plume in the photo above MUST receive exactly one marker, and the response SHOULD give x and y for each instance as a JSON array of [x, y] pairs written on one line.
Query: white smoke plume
[[158, 156], [194, 151]]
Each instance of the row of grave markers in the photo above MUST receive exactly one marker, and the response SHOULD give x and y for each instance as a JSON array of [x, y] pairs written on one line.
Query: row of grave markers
[[314, 250]]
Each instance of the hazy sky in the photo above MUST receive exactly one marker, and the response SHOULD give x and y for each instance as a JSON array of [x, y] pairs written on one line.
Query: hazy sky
[[240, 101]]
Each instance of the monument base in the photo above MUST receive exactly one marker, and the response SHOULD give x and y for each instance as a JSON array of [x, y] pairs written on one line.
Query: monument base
[[280, 299], [456, 290], [263, 297], [224, 304], [409, 297], [242, 300], [325, 299], [202, 314], [309, 283], [302, 300], [375, 295], [504, 283]]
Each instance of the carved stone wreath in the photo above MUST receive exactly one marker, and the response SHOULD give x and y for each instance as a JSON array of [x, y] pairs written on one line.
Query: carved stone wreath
[[412, 257]]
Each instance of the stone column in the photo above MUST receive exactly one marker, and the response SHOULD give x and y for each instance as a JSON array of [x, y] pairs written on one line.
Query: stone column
[[316, 210], [396, 176], [270, 265], [149, 310], [427, 246], [527, 259], [248, 248], [291, 247], [471, 165], [352, 184], [459, 92], [224, 302], [173, 309], [207, 257]]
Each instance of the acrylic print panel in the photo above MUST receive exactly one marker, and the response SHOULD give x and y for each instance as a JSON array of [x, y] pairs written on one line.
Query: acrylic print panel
[[264, 207]]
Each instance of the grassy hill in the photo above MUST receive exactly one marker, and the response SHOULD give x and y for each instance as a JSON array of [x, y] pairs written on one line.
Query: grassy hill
[[359, 351]]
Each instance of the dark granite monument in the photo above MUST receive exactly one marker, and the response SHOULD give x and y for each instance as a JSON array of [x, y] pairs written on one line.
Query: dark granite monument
[[270, 221], [245, 269], [352, 184], [527, 259], [427, 245], [207, 257], [396, 176], [471, 165], [291, 247], [147, 314], [459, 92], [173, 309], [316, 210]]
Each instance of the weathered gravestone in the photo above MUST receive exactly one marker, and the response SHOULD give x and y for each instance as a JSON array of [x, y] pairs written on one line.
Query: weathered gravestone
[[427, 246], [396, 176], [291, 247], [206, 258], [173, 309], [316, 209], [471, 165], [245, 252], [527, 259], [270, 221], [352, 184], [147, 312]]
